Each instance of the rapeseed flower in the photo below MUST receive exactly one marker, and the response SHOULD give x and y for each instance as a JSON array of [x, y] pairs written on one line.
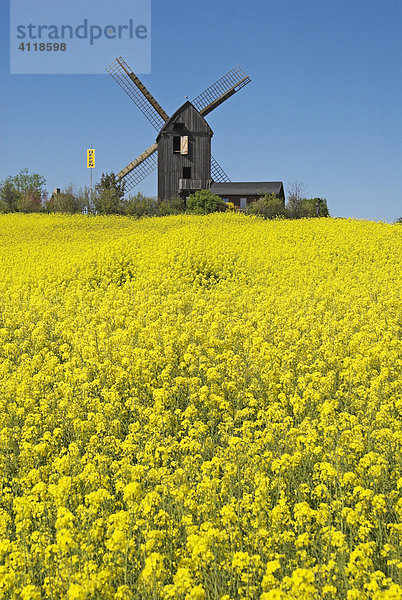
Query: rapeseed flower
[[196, 408]]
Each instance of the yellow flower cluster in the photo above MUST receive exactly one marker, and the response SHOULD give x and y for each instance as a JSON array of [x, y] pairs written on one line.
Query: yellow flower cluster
[[199, 408]]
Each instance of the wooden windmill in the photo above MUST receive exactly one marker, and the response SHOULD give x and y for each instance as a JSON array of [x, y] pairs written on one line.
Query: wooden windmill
[[182, 152]]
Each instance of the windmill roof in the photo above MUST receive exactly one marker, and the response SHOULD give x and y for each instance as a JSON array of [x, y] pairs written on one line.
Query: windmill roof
[[237, 188], [178, 112]]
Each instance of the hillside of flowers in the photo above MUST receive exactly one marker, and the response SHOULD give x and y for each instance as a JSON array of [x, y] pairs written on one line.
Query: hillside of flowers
[[200, 408]]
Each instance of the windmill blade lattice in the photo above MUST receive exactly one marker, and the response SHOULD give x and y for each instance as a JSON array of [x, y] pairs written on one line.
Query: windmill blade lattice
[[221, 90], [137, 161], [136, 90], [217, 173], [139, 172]]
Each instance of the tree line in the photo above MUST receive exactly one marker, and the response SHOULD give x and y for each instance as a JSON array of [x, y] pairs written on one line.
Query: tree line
[[25, 192]]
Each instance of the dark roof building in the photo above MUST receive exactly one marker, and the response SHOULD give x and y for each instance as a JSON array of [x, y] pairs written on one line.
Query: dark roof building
[[242, 193]]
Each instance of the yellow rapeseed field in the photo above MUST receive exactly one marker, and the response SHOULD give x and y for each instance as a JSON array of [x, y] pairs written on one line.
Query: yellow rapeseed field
[[200, 408]]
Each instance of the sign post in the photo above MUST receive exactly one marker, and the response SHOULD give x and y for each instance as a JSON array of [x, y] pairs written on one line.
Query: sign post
[[91, 165]]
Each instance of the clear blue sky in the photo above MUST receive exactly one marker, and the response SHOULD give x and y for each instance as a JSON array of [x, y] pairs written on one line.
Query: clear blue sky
[[324, 106]]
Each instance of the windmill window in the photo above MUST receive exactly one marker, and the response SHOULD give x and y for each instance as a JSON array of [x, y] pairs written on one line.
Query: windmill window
[[176, 144], [184, 144], [186, 172], [178, 126]]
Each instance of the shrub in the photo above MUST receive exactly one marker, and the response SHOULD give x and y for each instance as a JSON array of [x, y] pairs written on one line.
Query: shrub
[[204, 202], [308, 208], [107, 202], [323, 210], [171, 206], [139, 206], [4, 207], [66, 202], [30, 201], [84, 196], [268, 206], [109, 194]]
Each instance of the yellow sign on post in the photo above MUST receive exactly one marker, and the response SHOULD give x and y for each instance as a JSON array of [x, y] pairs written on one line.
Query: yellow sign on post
[[91, 158]]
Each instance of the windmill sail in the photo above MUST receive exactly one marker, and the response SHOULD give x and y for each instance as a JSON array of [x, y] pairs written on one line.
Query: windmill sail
[[139, 168], [217, 173], [136, 90], [221, 90], [137, 161]]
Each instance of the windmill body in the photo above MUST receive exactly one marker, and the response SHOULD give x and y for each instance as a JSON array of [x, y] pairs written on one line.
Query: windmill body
[[184, 153]]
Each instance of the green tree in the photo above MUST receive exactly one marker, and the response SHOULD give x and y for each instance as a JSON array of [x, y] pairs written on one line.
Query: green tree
[[109, 181], [26, 182], [31, 201], [204, 202], [322, 205], [109, 193], [313, 207], [24, 192], [9, 196]]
